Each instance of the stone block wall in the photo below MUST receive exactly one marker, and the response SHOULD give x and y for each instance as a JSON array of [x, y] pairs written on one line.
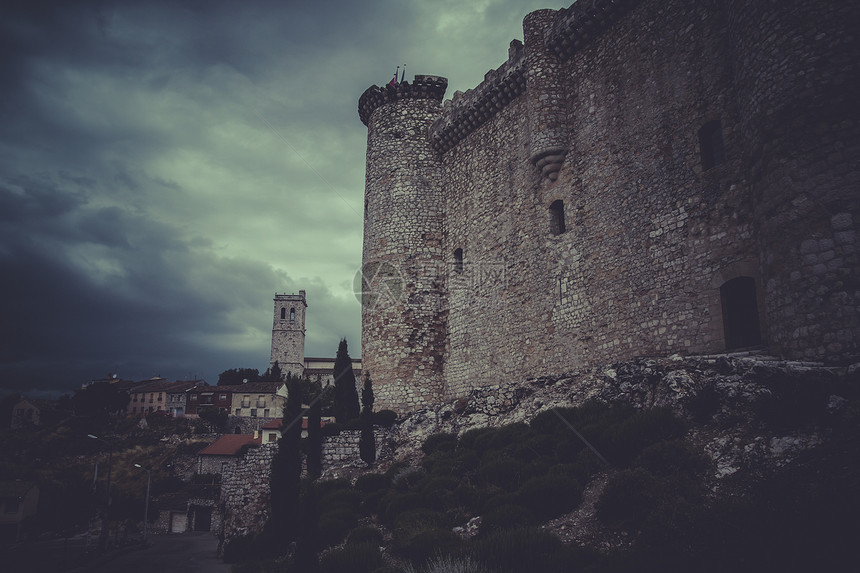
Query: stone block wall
[[245, 501], [587, 216]]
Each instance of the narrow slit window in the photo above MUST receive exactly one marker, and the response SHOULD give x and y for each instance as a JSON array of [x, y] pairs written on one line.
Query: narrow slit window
[[711, 144], [292, 315], [458, 260], [556, 222], [283, 313]]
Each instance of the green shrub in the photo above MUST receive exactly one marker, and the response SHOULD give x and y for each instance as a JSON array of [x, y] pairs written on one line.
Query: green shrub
[[422, 546], [516, 550], [328, 486], [369, 483], [506, 516], [407, 477], [628, 498], [385, 418], [360, 558], [476, 439], [395, 469], [502, 472], [441, 442], [395, 503], [550, 495], [449, 564], [414, 521], [332, 528], [671, 457], [439, 487], [268, 566], [442, 463], [364, 535], [340, 500], [509, 436]]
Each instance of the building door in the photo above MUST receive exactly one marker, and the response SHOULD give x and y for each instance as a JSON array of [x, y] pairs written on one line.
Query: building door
[[202, 518], [178, 522], [740, 313]]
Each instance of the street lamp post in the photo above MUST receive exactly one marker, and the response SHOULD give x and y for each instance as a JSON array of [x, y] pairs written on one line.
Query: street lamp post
[[103, 537], [146, 503]]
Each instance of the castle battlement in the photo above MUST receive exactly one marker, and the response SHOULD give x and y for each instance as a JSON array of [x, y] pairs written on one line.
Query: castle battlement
[[466, 112], [580, 23], [422, 87]]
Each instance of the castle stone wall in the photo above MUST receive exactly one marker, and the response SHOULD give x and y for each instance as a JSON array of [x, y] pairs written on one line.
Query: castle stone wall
[[612, 124]]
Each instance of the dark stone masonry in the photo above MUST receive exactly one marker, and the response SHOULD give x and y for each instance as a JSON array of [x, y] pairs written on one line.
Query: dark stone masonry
[[639, 178]]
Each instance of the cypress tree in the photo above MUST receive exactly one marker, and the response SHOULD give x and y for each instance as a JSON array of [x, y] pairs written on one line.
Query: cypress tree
[[367, 441], [346, 396], [285, 481], [315, 433]]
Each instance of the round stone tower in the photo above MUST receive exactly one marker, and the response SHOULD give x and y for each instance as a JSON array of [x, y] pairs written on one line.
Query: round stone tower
[[795, 64], [403, 312]]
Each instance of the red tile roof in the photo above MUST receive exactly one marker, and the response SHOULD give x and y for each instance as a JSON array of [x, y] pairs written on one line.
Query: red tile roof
[[230, 445]]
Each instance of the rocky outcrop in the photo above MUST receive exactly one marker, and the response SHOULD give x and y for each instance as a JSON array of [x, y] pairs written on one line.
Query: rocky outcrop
[[745, 409]]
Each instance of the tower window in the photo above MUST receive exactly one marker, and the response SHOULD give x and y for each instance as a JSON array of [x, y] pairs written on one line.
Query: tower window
[[458, 260], [711, 144], [556, 221], [292, 315], [283, 313]]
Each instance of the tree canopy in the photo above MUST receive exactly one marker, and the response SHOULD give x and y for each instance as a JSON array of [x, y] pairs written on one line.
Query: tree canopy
[[236, 376]]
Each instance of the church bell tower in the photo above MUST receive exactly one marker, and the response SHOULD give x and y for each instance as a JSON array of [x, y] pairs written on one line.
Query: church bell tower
[[288, 333]]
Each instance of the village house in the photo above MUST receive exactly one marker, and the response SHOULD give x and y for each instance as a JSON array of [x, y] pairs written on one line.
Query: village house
[[217, 397], [225, 452], [159, 395], [259, 400]]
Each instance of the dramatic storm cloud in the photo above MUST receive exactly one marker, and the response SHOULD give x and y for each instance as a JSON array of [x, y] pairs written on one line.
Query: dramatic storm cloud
[[166, 167]]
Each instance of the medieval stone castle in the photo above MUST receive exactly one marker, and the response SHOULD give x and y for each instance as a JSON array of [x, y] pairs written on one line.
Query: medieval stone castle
[[639, 178]]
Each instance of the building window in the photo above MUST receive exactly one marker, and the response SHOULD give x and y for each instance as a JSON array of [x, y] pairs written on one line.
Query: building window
[[194, 397], [273, 437], [292, 315], [160, 396], [238, 411], [266, 413], [283, 313], [740, 313], [222, 397], [711, 144], [458, 260], [253, 412], [135, 398], [556, 220]]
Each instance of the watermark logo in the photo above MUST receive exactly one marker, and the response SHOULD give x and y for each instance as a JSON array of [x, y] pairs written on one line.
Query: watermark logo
[[378, 284], [381, 284]]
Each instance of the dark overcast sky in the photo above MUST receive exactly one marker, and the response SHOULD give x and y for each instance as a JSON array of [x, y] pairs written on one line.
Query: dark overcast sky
[[166, 167]]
